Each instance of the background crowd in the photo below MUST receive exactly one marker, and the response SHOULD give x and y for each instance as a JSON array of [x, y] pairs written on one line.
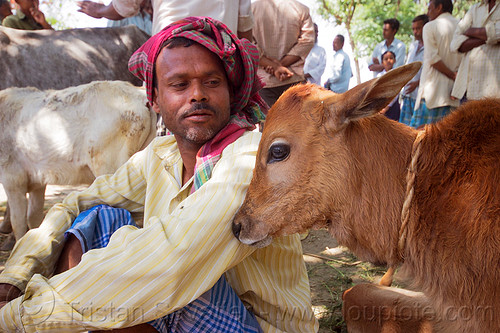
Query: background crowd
[[470, 48]]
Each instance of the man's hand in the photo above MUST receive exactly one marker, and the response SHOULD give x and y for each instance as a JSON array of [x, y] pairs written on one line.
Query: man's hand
[[8, 292], [376, 68], [39, 17], [282, 73], [90, 8], [410, 87]]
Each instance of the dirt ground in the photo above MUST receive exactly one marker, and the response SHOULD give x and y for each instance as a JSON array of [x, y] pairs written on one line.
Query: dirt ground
[[332, 269]]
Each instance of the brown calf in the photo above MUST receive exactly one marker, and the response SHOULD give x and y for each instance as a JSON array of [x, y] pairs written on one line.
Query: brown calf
[[328, 160]]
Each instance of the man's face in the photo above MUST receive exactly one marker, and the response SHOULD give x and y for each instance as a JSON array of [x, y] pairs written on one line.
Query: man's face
[[388, 32], [337, 44], [433, 11], [192, 93], [417, 28]]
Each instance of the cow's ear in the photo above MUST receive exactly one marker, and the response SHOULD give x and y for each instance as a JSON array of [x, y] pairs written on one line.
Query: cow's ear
[[370, 97]]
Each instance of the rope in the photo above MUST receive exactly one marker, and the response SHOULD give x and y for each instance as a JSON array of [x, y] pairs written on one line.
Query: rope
[[410, 182]]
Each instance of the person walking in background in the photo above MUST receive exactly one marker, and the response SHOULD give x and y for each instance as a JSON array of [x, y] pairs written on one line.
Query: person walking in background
[[440, 66], [5, 9], [143, 20], [342, 73], [478, 37], [391, 111], [284, 34], [415, 53], [27, 17], [390, 43], [315, 63], [236, 14]]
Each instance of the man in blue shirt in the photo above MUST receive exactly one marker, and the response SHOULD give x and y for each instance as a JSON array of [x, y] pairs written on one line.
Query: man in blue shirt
[[391, 27], [342, 73]]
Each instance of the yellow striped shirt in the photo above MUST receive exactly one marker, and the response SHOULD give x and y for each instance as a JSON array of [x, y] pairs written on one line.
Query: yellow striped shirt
[[186, 244]]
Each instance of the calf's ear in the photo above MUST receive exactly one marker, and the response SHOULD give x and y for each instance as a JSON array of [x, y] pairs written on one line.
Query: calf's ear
[[368, 98]]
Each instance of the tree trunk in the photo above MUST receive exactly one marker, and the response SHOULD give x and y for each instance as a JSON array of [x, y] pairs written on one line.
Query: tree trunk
[[355, 58]]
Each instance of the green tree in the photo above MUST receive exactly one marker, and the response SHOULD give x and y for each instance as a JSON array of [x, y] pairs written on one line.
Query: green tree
[[341, 13], [59, 13]]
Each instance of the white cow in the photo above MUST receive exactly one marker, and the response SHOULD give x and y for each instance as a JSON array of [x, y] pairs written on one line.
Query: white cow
[[66, 137]]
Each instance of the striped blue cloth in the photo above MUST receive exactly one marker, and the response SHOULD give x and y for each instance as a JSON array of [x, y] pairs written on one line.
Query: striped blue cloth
[[217, 310], [423, 115], [407, 110]]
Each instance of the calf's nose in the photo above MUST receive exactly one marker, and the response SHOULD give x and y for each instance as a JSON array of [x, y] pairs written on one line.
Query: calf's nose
[[236, 230]]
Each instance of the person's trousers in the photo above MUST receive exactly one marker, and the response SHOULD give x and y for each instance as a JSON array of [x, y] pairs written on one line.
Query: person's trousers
[[217, 310]]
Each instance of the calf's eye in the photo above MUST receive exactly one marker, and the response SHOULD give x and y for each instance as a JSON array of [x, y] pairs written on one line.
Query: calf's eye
[[278, 152]]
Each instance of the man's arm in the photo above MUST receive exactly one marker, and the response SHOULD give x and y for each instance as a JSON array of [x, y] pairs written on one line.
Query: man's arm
[[338, 62], [245, 20], [315, 64], [39, 18], [470, 43], [304, 44], [375, 65], [150, 272], [38, 251], [275, 67], [99, 10], [443, 69]]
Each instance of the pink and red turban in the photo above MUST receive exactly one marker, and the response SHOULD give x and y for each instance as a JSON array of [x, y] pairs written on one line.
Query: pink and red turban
[[239, 57]]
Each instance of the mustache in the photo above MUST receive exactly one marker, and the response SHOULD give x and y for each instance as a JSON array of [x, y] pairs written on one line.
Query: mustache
[[198, 106]]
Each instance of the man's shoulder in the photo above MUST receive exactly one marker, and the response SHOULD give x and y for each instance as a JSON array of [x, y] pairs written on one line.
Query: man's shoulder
[[248, 142], [11, 21], [163, 146], [318, 49], [399, 43]]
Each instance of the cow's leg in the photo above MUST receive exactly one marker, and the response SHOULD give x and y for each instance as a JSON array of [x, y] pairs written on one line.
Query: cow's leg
[[5, 226], [18, 204], [35, 206]]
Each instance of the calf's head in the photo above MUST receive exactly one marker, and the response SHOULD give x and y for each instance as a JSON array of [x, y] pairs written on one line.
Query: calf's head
[[302, 164]]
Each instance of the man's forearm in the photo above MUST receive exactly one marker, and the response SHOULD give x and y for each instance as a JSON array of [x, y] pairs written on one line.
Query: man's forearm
[[376, 67], [289, 60], [479, 33], [443, 69], [469, 44], [98, 10]]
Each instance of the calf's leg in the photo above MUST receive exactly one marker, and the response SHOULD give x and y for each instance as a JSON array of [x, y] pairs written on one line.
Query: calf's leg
[[35, 206], [371, 308]]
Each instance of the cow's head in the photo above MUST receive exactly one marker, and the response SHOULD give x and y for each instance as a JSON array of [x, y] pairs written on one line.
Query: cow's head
[[293, 186]]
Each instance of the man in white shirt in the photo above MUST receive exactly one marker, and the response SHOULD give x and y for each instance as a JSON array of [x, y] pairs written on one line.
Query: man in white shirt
[[416, 53], [284, 35], [315, 63], [237, 15], [390, 43], [440, 66], [478, 38]]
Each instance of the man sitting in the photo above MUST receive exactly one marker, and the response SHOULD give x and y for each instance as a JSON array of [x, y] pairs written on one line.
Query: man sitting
[[202, 79], [27, 17]]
